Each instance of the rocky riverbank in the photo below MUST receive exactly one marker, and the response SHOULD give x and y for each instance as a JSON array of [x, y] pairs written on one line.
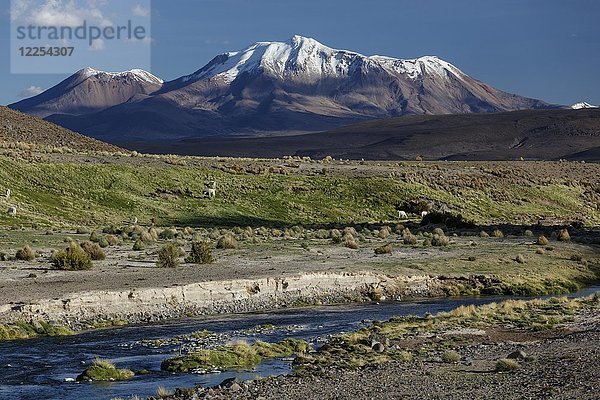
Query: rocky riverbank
[[560, 362]]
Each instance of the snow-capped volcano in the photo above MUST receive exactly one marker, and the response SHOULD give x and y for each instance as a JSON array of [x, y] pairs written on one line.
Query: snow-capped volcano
[[582, 105], [89, 90], [307, 59], [297, 85]]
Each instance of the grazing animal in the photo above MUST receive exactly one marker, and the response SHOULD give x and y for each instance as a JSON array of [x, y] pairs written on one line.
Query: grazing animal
[[12, 211], [423, 214], [402, 214], [211, 190], [8, 193]]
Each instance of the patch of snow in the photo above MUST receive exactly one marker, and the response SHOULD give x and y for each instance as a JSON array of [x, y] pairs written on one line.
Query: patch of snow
[[582, 105], [137, 74]]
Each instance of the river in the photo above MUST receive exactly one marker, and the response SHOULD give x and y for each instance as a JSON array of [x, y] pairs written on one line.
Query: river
[[43, 368]]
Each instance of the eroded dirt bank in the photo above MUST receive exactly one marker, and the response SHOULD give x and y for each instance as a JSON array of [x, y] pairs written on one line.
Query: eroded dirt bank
[[223, 296]]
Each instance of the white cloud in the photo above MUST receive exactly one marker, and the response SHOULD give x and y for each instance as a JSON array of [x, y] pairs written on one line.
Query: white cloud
[[97, 45], [140, 11], [31, 91], [59, 12]]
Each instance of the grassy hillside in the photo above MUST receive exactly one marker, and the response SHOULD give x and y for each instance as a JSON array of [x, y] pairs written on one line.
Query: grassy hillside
[[98, 191]]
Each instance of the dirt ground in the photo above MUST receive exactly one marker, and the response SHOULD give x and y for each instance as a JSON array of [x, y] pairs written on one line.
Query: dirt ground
[[22, 282]]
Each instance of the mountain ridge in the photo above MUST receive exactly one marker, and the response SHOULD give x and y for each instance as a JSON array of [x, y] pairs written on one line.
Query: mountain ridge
[[299, 85]]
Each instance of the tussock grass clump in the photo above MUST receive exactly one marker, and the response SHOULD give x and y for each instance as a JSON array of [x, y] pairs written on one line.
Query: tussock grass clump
[[83, 230], [563, 235], [24, 330], [410, 240], [25, 254], [404, 356], [439, 232], [385, 249], [103, 242], [542, 241], [167, 234], [506, 365], [484, 234], [168, 256], [227, 241], [104, 371], [384, 232], [139, 245], [73, 258], [112, 240], [450, 357], [497, 233], [240, 355], [528, 233], [520, 259], [93, 250], [201, 253], [163, 393], [440, 240]]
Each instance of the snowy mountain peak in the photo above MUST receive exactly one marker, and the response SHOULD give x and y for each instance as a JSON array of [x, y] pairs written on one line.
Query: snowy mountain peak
[[582, 105], [137, 74], [306, 59]]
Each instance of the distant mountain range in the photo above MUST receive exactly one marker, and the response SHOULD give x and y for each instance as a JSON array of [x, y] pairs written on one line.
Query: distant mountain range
[[268, 88], [528, 134]]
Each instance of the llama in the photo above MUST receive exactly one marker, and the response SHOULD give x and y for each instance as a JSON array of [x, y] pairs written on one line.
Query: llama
[[423, 214], [402, 214], [211, 190]]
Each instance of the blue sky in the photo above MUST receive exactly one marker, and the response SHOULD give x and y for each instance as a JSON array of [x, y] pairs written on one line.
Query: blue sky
[[546, 49]]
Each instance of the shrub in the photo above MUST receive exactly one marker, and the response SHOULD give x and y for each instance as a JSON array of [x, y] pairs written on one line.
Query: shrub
[[440, 240], [168, 256], [103, 242], [410, 240], [404, 356], [384, 232], [563, 235], [25, 254], [93, 250], [542, 240], [350, 242], [497, 233], [112, 240], [506, 365], [167, 234], [385, 249], [450, 357], [139, 245], [201, 253], [73, 258], [439, 232], [227, 241]]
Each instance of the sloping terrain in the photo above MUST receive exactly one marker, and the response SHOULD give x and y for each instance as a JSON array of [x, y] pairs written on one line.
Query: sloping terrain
[[531, 134], [18, 127]]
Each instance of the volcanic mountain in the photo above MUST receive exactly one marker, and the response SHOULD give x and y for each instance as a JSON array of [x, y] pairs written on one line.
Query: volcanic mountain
[[299, 85]]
